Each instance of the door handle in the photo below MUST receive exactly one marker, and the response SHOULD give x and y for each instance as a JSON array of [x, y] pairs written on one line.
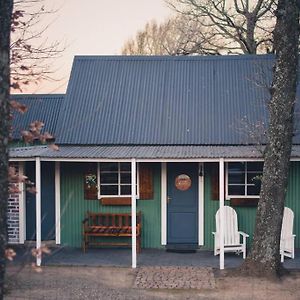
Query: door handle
[[168, 199]]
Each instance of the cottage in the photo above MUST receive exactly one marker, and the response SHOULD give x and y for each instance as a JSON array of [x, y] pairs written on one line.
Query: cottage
[[172, 137]]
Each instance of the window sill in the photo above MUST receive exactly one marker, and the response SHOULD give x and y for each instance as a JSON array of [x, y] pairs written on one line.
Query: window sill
[[246, 201], [229, 197], [125, 201]]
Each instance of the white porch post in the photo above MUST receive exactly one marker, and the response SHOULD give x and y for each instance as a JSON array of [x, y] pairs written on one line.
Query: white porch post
[[164, 203], [221, 195], [133, 211], [57, 202], [201, 222], [22, 210], [38, 209]]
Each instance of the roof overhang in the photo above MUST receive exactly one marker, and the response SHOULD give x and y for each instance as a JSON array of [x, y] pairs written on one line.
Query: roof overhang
[[142, 153]]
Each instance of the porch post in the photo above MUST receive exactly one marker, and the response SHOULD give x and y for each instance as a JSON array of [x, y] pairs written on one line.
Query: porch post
[[57, 202], [21, 205], [221, 195], [38, 210], [133, 211], [164, 203]]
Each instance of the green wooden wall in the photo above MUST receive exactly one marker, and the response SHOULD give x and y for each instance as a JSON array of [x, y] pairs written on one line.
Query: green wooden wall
[[73, 207], [246, 215]]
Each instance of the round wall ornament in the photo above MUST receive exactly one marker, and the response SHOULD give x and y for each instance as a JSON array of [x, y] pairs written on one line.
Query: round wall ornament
[[183, 182]]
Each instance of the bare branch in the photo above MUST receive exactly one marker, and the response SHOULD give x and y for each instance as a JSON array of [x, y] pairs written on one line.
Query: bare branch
[[244, 24], [32, 56]]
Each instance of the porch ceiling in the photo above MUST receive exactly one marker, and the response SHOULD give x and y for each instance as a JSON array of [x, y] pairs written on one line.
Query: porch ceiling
[[142, 152]]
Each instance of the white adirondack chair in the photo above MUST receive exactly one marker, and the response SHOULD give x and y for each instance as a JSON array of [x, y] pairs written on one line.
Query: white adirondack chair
[[232, 241], [287, 247]]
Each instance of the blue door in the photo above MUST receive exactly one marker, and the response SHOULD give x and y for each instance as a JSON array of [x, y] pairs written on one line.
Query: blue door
[[182, 207], [48, 202]]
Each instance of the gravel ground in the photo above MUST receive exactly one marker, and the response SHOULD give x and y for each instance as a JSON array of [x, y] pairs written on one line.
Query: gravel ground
[[118, 283]]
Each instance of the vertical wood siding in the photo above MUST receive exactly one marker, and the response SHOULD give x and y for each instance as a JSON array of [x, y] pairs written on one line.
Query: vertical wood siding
[[246, 215], [74, 206]]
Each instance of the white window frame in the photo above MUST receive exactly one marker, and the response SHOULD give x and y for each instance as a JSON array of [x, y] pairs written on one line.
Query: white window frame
[[245, 183], [119, 185]]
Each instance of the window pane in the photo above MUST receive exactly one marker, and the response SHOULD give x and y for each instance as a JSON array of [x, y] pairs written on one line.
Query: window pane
[[125, 177], [236, 178], [254, 177], [236, 167], [236, 190], [125, 189], [109, 190], [255, 166], [253, 190], [109, 177], [125, 167], [109, 167]]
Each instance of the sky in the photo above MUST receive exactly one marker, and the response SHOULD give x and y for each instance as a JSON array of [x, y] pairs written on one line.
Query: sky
[[94, 27]]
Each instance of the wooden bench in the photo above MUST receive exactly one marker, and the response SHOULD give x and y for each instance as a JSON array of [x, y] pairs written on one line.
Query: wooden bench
[[110, 225]]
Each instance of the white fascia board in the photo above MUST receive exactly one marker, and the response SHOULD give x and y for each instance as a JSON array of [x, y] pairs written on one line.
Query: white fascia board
[[22, 159], [200, 160]]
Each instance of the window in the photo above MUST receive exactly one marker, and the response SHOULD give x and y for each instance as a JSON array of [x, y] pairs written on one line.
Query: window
[[115, 179], [244, 179]]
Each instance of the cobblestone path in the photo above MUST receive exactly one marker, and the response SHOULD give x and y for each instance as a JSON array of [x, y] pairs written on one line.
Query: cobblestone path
[[174, 278]]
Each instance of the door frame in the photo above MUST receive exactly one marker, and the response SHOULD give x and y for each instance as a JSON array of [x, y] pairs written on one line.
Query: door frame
[[164, 211]]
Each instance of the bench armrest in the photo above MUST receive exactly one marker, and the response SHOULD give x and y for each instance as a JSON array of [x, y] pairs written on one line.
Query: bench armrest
[[85, 220]]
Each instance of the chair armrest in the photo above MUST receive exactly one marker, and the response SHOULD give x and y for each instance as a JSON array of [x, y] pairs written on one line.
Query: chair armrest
[[85, 220], [243, 234], [216, 235], [291, 237]]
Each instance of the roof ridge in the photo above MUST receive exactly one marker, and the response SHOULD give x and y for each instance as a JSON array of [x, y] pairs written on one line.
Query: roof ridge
[[171, 57], [38, 95]]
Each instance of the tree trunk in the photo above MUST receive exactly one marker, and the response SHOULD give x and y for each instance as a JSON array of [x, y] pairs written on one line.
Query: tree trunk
[[264, 258], [5, 23]]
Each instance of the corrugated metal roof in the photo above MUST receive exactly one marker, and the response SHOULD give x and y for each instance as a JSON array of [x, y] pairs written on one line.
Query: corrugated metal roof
[[143, 152], [164, 100], [43, 108]]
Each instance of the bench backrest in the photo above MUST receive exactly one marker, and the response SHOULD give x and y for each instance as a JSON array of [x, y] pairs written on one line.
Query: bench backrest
[[111, 219]]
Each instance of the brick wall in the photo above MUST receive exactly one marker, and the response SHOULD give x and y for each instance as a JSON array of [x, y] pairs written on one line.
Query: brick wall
[[13, 216]]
